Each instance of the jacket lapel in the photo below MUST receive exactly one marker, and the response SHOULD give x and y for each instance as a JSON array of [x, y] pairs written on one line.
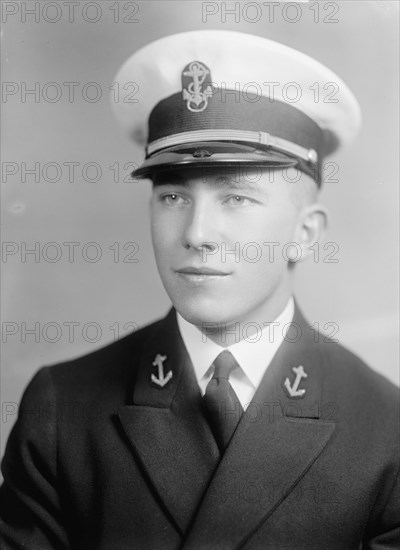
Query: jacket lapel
[[166, 427], [278, 438]]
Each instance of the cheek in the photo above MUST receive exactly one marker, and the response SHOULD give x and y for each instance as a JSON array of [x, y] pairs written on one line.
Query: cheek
[[156, 233], [159, 225], [266, 228], [165, 235], [262, 248]]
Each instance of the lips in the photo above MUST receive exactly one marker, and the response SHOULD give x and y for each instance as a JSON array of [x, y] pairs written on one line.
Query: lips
[[191, 270]]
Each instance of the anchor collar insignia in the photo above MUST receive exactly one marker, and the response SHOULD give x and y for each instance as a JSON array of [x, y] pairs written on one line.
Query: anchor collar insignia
[[293, 389], [162, 378]]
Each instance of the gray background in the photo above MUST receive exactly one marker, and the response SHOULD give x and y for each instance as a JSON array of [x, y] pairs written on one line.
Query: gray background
[[359, 293]]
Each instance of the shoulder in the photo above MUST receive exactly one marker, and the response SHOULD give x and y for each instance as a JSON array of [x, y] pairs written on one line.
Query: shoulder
[[110, 368], [345, 375], [365, 399], [346, 369], [358, 389]]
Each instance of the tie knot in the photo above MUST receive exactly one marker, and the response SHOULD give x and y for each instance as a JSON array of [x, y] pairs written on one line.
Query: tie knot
[[224, 364]]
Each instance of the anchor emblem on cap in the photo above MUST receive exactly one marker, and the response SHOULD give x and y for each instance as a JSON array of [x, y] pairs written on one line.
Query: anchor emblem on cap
[[161, 379], [196, 98], [293, 389]]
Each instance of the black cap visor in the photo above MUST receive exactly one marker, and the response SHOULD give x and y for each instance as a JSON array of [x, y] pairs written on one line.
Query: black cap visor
[[211, 155]]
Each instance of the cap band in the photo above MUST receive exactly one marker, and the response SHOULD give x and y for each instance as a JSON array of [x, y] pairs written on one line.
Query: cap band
[[238, 136], [231, 110]]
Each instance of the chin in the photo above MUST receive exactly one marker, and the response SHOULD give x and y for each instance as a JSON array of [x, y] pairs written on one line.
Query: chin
[[200, 311]]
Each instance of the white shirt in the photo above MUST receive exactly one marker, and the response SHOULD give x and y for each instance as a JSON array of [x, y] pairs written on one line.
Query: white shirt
[[253, 353]]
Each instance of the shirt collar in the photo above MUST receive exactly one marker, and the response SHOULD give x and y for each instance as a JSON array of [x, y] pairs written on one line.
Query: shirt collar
[[253, 353]]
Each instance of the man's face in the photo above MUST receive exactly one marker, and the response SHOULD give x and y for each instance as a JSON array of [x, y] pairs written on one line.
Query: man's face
[[213, 236]]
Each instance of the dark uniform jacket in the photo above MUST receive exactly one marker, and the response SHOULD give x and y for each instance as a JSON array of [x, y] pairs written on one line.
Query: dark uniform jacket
[[103, 458]]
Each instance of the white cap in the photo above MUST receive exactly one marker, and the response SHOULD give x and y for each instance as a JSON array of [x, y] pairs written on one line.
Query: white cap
[[249, 72]]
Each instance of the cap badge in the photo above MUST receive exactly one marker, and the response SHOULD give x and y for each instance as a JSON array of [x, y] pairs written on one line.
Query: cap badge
[[196, 86], [162, 379], [293, 389], [201, 153]]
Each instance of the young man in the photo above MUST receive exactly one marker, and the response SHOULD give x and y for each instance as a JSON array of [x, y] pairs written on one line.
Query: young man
[[230, 423]]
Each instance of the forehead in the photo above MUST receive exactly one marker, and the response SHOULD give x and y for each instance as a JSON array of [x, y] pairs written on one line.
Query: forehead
[[239, 177]]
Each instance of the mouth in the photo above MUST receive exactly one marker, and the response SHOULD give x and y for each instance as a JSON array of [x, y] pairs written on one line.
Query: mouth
[[191, 270], [200, 274]]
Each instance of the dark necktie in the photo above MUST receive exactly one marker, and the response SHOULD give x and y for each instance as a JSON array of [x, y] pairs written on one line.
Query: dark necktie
[[223, 408]]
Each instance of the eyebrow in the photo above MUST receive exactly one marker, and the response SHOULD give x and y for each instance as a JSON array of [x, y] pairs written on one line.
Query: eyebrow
[[237, 183], [240, 183]]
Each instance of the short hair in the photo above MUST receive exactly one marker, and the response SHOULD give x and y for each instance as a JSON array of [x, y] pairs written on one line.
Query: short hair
[[303, 191]]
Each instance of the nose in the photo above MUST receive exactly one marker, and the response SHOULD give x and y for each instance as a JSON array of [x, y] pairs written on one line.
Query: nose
[[200, 228]]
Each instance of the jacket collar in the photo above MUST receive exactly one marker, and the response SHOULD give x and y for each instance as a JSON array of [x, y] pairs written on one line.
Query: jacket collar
[[166, 426]]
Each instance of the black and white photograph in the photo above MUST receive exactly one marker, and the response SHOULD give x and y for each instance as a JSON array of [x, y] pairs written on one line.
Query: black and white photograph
[[200, 275]]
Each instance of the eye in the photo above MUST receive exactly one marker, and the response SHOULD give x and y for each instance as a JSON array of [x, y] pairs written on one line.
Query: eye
[[172, 199], [237, 200]]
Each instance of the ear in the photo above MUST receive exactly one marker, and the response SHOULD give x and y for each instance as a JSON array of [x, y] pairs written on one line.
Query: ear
[[311, 228]]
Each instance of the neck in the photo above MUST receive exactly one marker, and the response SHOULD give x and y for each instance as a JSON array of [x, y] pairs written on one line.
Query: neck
[[233, 331]]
